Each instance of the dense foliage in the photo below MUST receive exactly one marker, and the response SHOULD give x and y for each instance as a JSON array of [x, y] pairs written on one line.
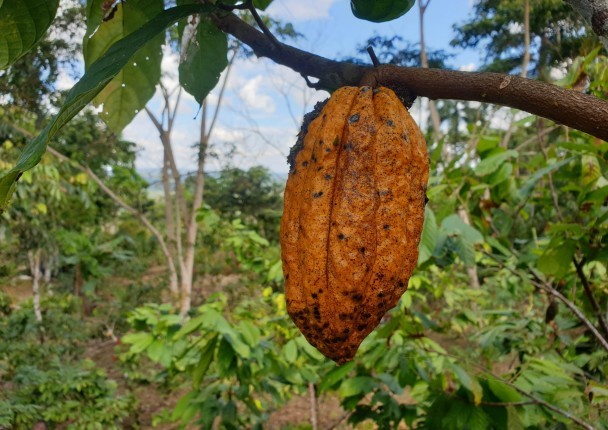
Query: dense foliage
[[504, 325]]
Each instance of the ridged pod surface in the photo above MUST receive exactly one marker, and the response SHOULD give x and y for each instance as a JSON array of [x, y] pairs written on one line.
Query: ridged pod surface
[[353, 216]]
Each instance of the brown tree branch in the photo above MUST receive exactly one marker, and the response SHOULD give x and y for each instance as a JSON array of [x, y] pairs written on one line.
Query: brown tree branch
[[580, 111], [590, 296]]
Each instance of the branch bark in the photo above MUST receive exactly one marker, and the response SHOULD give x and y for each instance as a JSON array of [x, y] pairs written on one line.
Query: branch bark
[[580, 111]]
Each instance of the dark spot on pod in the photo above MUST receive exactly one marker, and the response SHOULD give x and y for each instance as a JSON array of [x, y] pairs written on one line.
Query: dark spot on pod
[[343, 317], [327, 150], [314, 158], [304, 163], [380, 276], [390, 122], [348, 147], [317, 195], [326, 325], [357, 297], [362, 250], [384, 192], [401, 284], [386, 227], [380, 295], [405, 137], [341, 236], [366, 316], [319, 168], [381, 305], [287, 276], [336, 141], [314, 295], [361, 327], [324, 115], [294, 171], [354, 118], [346, 330], [320, 290], [327, 176], [321, 142]]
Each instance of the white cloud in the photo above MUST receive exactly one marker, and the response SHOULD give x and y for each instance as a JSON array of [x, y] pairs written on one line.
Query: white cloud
[[254, 97], [298, 10], [468, 67]]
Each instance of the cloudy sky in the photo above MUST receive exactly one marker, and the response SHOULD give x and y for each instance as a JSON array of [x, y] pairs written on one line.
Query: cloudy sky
[[264, 103]]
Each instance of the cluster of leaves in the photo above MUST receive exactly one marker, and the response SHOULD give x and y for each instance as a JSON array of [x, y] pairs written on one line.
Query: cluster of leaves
[[43, 378]]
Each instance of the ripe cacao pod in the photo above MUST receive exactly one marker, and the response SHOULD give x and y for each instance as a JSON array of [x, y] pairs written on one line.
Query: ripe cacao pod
[[353, 216]]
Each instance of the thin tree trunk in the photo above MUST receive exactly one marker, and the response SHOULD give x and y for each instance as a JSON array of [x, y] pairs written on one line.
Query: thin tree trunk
[[424, 62], [313, 406], [197, 202], [173, 280], [34, 260]]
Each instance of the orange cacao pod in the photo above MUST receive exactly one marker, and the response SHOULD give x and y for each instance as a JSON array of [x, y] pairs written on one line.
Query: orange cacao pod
[[353, 216]]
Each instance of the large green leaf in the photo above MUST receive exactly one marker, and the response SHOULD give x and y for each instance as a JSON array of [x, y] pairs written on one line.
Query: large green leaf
[[493, 162], [135, 84], [22, 24], [380, 10], [526, 189], [95, 79], [204, 58], [429, 236]]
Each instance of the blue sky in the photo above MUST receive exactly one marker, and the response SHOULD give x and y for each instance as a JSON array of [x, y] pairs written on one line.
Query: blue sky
[[264, 103]]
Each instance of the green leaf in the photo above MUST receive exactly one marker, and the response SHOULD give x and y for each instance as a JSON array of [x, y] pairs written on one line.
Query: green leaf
[[290, 351], [95, 79], [528, 186], [203, 59], [590, 169], [135, 84], [556, 260], [335, 376], [454, 225], [261, 4], [469, 382], [429, 236], [138, 341], [492, 163], [22, 24], [380, 10], [357, 385], [204, 362], [504, 392]]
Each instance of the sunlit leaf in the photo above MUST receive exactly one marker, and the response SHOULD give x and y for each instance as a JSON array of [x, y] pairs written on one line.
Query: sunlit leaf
[[95, 79], [22, 24], [203, 59], [135, 84]]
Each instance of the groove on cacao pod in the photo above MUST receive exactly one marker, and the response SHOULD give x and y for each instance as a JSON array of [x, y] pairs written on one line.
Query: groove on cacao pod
[[353, 216]]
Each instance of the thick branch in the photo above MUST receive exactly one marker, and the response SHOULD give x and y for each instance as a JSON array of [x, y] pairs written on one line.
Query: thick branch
[[571, 108]]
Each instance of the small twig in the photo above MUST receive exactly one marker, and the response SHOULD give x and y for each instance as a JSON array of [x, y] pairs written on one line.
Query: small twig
[[263, 27], [541, 143], [372, 55], [589, 293], [344, 416], [313, 85]]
